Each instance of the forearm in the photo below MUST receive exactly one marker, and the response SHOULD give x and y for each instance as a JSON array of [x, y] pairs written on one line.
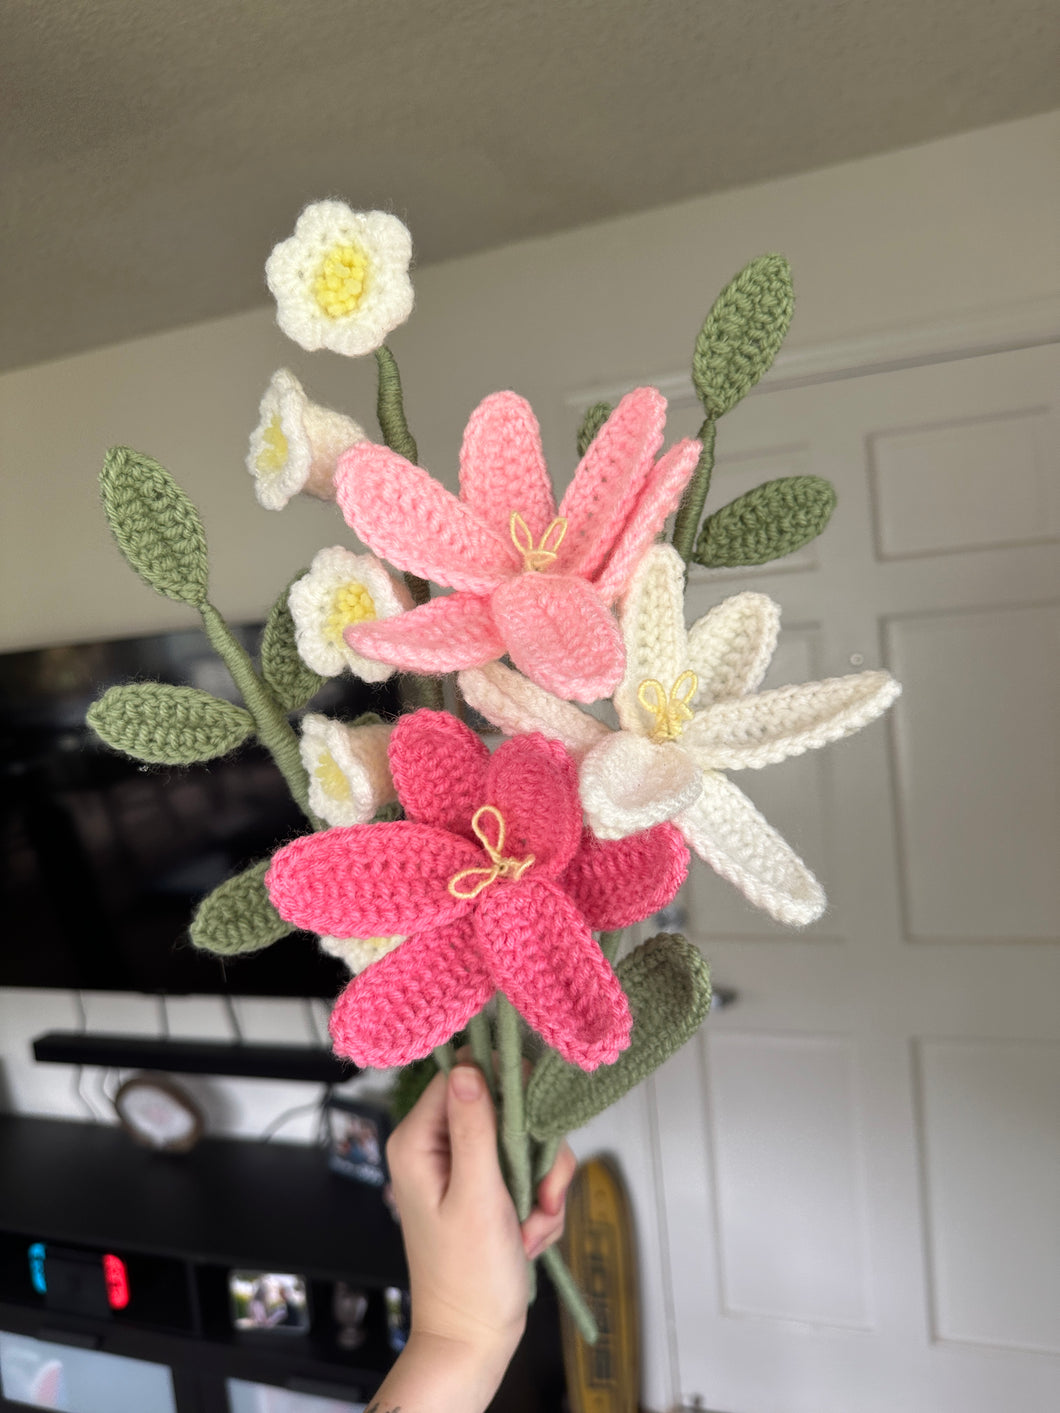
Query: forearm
[[437, 1375]]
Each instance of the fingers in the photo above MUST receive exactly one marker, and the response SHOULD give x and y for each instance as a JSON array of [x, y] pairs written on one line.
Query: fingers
[[475, 1172], [552, 1189], [544, 1226], [418, 1150]]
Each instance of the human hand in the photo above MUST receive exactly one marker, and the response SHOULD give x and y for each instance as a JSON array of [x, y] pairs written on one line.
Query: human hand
[[467, 1253]]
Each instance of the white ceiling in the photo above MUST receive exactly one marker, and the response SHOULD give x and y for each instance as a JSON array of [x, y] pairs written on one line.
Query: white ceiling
[[153, 151]]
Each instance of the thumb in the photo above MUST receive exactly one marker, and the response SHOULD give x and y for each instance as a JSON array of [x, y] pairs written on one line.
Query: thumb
[[472, 1136]]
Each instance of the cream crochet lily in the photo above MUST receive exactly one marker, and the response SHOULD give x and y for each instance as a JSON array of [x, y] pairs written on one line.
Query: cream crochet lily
[[689, 708]]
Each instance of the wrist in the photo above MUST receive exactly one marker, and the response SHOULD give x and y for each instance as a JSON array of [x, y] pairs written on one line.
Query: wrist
[[461, 1373]]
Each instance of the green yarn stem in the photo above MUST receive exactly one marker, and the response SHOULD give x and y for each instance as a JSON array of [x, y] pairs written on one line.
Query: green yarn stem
[[390, 410], [514, 1138], [274, 730], [690, 511], [478, 1030], [547, 1153], [568, 1292], [610, 943], [443, 1057]]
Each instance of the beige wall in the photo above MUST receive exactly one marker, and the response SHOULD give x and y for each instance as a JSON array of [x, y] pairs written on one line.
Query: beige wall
[[933, 232]]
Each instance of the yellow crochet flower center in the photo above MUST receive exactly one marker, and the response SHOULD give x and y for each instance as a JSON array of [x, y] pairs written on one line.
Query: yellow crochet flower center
[[341, 281], [350, 603], [273, 455], [332, 781]]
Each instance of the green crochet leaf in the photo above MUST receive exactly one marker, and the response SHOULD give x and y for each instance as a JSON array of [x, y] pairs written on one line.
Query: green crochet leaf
[[593, 420], [238, 916], [767, 523], [293, 683], [167, 725], [157, 528], [742, 333], [668, 986]]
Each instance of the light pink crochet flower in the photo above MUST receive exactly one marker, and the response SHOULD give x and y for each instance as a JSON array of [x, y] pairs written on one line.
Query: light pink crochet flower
[[530, 581], [495, 885]]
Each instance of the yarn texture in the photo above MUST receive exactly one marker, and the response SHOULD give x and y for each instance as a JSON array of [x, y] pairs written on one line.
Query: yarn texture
[[688, 709], [166, 725], [157, 528], [530, 580], [775, 519], [238, 916], [341, 280], [296, 443], [341, 590], [347, 768], [495, 886], [667, 983]]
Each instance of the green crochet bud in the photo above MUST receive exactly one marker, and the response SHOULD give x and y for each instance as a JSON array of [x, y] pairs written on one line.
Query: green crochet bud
[[593, 420], [742, 333], [668, 986], [157, 528], [238, 916], [767, 523], [166, 725], [293, 684]]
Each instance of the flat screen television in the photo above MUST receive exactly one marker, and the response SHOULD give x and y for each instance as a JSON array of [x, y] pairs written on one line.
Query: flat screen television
[[103, 860]]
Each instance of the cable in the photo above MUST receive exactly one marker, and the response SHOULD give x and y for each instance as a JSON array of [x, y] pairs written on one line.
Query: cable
[[233, 1016], [270, 1131]]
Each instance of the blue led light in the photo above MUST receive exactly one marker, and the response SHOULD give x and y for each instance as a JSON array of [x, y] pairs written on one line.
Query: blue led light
[[37, 1254]]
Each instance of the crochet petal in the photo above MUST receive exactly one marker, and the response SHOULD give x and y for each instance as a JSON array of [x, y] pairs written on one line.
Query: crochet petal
[[408, 517], [371, 880], [502, 466], [653, 629], [543, 957], [439, 768], [413, 999], [441, 636], [770, 726], [558, 632], [609, 481], [616, 882], [660, 496], [534, 783], [628, 784], [730, 647], [514, 704], [727, 832]]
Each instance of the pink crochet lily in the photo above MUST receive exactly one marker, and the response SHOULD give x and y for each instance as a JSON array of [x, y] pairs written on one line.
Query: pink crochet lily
[[495, 884], [529, 581]]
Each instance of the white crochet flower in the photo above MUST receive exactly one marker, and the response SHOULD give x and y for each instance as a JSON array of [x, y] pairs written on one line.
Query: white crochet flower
[[296, 443], [359, 952], [349, 774], [341, 281], [688, 710], [341, 589]]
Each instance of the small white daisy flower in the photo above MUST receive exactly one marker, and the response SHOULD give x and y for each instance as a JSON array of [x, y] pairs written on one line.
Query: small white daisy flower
[[296, 444], [349, 774], [342, 280], [341, 589], [360, 952]]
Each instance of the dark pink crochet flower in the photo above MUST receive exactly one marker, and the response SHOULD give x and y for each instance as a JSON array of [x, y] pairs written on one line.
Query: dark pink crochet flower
[[495, 885], [530, 581]]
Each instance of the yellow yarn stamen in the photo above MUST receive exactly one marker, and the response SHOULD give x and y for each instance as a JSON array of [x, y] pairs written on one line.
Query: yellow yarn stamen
[[350, 603], [540, 556], [332, 781], [339, 284], [670, 709], [273, 454], [502, 865]]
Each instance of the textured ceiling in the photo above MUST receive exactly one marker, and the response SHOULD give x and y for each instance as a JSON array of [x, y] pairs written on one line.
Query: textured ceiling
[[151, 153]]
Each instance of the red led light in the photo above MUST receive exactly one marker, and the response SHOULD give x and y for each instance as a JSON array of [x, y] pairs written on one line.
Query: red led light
[[117, 1282]]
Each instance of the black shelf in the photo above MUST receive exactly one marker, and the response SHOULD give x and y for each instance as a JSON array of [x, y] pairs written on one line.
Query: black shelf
[[312, 1064]]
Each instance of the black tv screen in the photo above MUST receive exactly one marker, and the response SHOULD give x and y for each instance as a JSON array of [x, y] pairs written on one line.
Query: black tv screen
[[103, 860]]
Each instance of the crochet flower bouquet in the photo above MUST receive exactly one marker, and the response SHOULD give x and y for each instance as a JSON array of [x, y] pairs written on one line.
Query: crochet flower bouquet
[[468, 890]]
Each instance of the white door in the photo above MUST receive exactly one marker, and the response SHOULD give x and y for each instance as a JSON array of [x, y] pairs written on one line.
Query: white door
[[859, 1160]]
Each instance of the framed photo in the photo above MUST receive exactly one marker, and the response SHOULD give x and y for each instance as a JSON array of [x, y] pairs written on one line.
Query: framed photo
[[272, 1301], [357, 1135]]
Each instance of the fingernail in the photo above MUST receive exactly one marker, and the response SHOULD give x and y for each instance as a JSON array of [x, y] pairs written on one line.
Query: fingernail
[[466, 1082]]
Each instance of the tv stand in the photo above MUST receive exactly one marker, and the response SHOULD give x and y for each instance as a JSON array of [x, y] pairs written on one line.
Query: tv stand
[[181, 1223]]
